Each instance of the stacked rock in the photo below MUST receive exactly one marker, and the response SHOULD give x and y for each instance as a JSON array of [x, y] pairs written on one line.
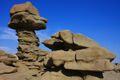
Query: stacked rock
[[25, 20], [78, 54], [66, 40]]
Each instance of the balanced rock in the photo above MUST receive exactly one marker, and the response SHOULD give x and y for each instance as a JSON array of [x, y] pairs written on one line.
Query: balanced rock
[[25, 19]]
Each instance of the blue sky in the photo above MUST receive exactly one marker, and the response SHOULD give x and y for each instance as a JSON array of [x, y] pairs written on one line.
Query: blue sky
[[97, 19]]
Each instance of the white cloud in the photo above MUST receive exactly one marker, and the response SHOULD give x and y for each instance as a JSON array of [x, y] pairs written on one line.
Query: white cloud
[[7, 49], [8, 34]]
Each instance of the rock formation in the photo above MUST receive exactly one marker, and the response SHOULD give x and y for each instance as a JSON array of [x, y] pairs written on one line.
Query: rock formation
[[113, 75], [25, 20], [7, 59], [73, 56], [78, 54], [66, 40]]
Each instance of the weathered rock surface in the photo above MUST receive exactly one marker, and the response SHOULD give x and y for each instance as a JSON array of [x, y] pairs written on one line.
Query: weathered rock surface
[[66, 36], [4, 69], [75, 52], [113, 75], [90, 77], [90, 59], [27, 7], [83, 41], [59, 76], [21, 71], [66, 40], [97, 65], [28, 48], [93, 53], [25, 20], [6, 58], [26, 16]]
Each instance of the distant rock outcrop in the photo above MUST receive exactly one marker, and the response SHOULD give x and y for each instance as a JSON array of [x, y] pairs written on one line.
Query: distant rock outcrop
[[73, 56]]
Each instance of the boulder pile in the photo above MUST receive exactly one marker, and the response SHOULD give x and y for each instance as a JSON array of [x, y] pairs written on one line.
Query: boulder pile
[[73, 56]]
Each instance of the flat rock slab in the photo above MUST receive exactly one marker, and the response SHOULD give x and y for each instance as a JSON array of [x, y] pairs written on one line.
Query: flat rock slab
[[66, 36], [63, 55], [84, 41], [24, 7], [58, 58], [97, 65], [66, 40], [93, 53]]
